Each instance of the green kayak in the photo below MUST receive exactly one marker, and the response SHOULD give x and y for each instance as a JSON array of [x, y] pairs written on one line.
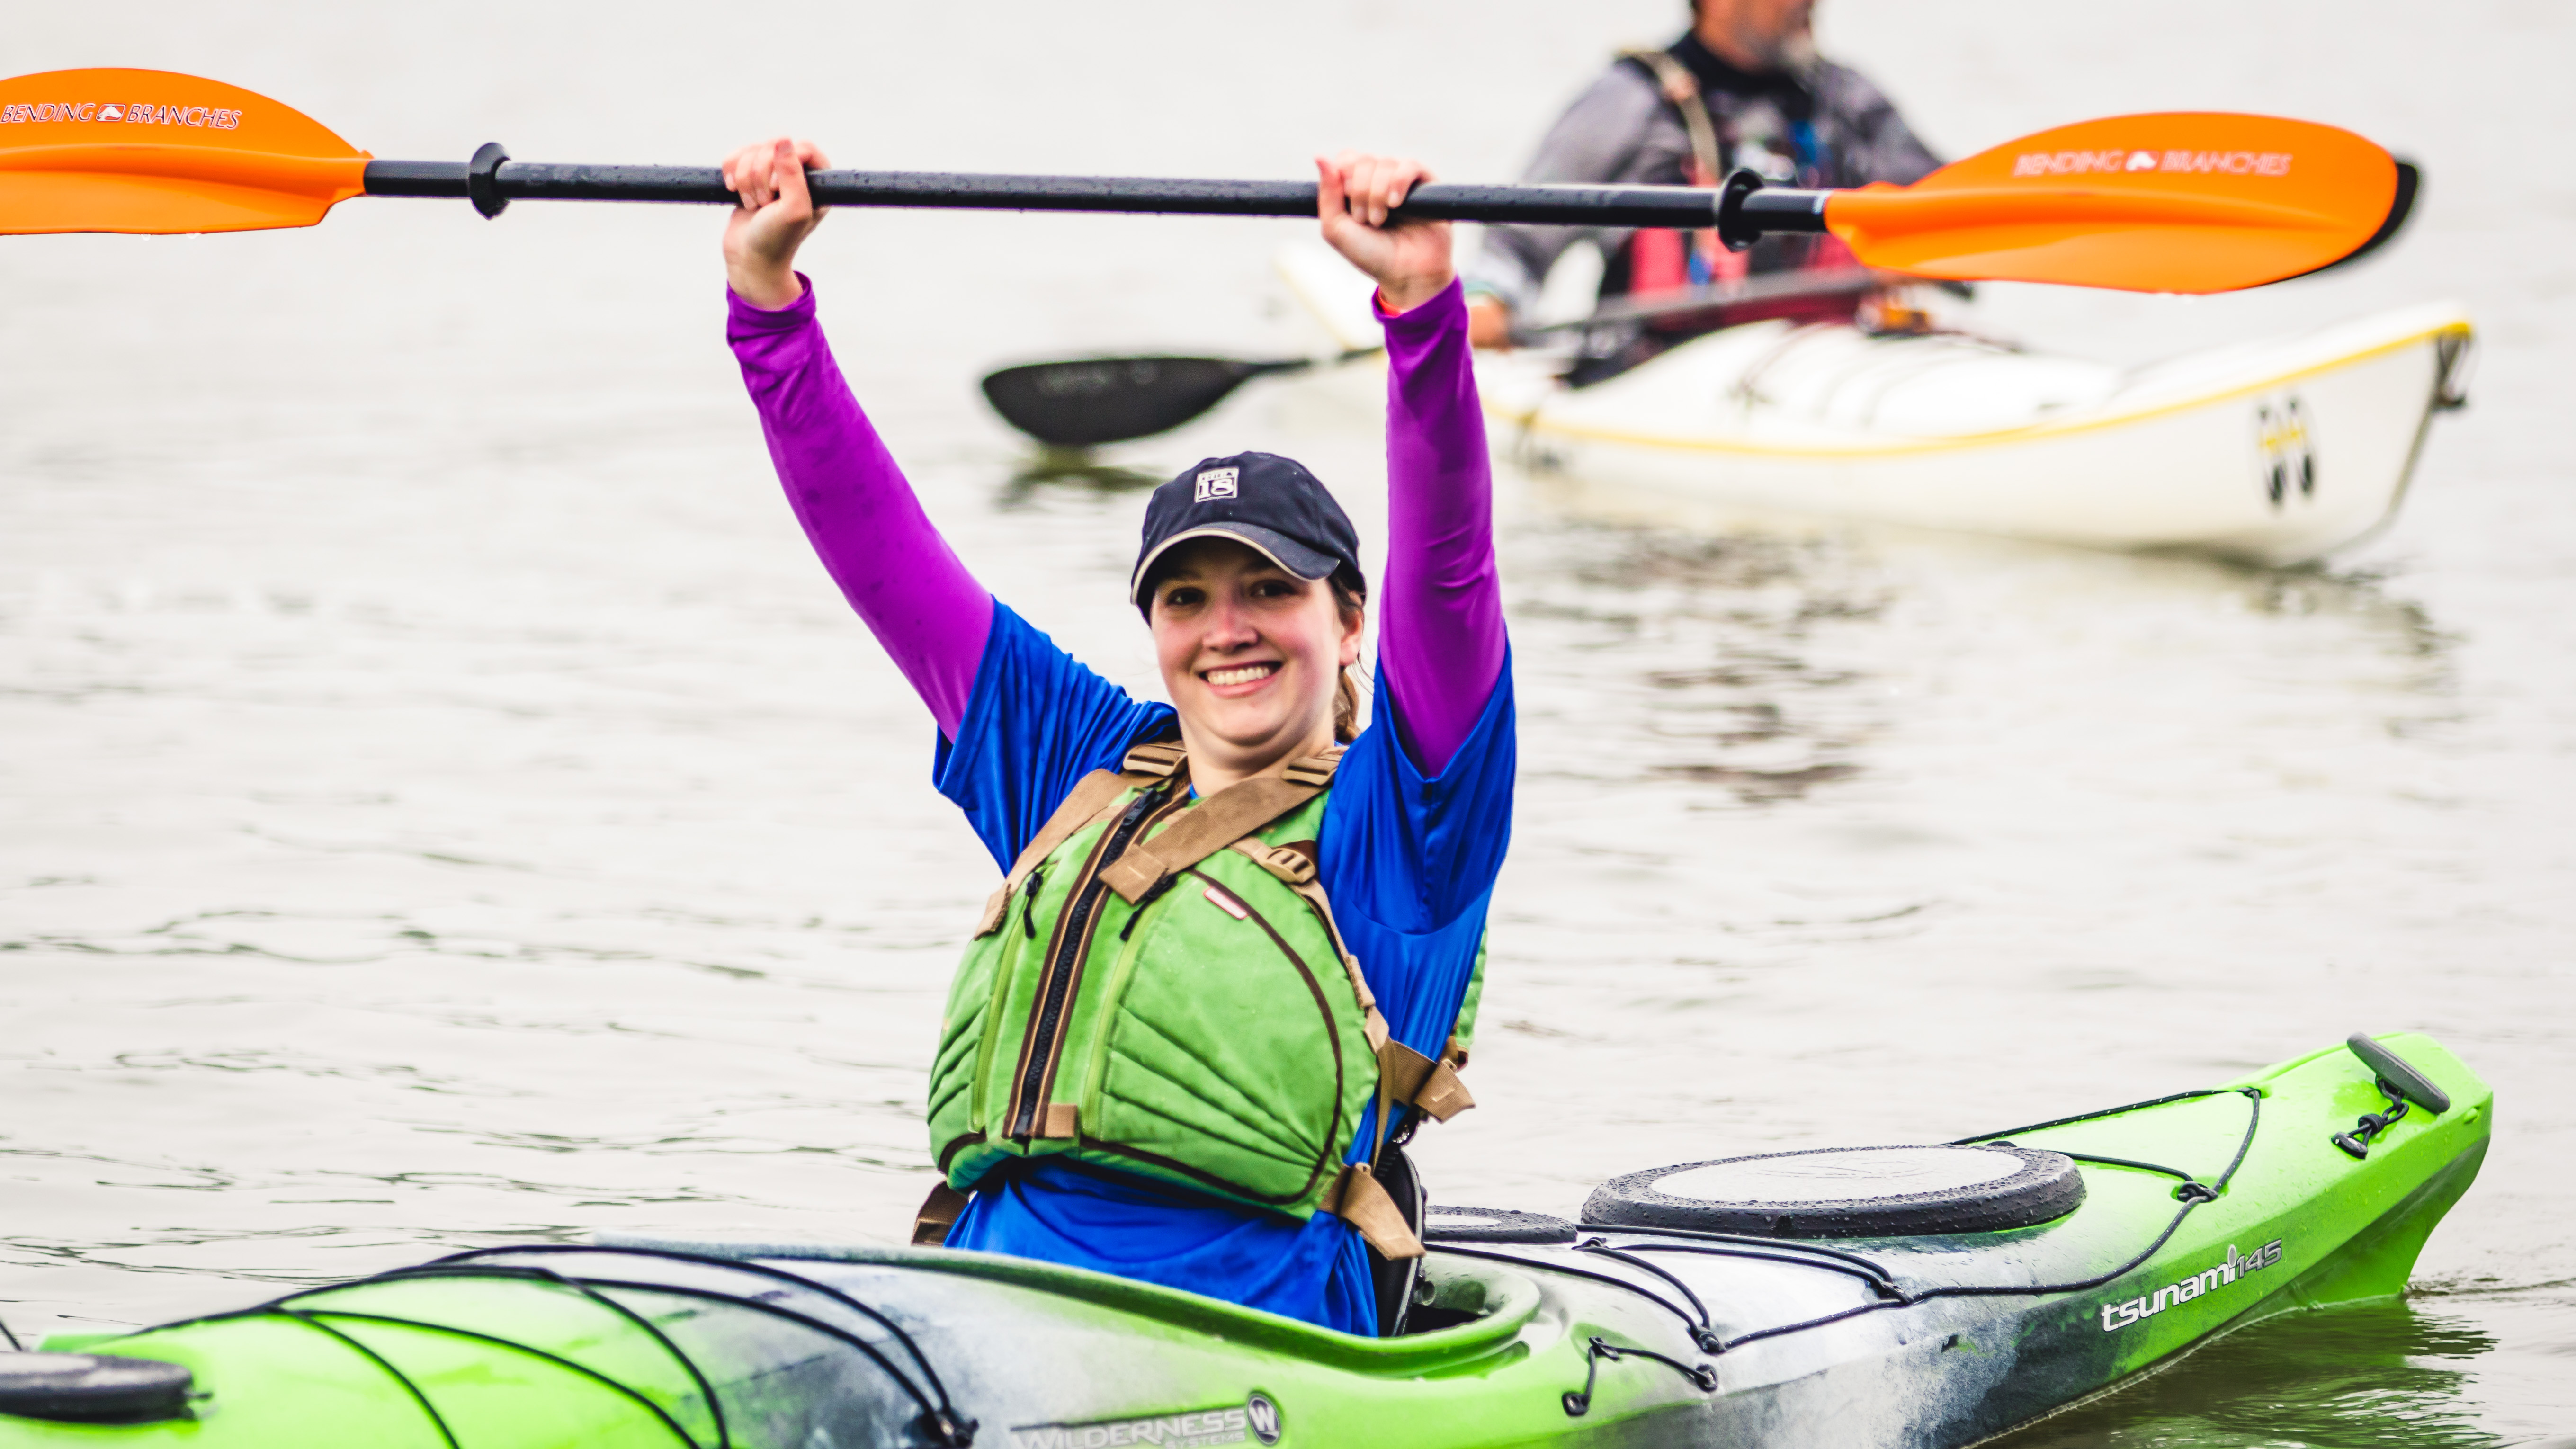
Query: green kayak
[[1916, 1296]]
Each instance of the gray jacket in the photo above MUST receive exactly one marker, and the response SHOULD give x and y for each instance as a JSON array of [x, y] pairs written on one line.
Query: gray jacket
[[1623, 130]]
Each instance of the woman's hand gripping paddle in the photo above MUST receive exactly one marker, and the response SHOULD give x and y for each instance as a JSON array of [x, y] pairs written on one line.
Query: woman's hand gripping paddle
[[1090, 401]]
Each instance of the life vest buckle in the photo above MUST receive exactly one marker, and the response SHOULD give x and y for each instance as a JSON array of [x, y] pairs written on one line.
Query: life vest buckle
[[1358, 1198]]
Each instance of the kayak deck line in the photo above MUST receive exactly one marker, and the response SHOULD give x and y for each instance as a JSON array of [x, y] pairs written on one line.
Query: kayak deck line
[[1531, 418], [1878, 1278], [2191, 1194]]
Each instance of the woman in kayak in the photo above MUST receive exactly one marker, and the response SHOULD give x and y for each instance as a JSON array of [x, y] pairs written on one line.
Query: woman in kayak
[[1236, 933]]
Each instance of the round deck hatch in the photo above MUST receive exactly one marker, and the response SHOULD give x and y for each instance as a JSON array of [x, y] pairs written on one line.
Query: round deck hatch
[[1847, 1192]]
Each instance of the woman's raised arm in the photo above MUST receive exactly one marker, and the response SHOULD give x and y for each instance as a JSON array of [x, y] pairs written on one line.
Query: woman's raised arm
[[1440, 639], [860, 514]]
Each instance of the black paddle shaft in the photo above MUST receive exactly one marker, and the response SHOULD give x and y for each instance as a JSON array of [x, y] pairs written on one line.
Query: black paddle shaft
[[492, 181]]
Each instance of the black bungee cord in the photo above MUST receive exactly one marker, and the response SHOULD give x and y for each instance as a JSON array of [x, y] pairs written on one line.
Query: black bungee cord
[[1729, 1245], [2104, 1112], [1649, 1295], [706, 1389], [941, 1420], [1578, 1402], [437, 1420], [1703, 1332], [938, 1421], [2191, 1192]]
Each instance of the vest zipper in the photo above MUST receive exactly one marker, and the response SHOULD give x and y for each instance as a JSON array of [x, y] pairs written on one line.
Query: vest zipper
[[1029, 906], [1072, 938]]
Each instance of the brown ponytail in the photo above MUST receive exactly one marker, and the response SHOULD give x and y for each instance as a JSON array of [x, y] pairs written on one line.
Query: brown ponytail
[[1350, 596], [1346, 706]]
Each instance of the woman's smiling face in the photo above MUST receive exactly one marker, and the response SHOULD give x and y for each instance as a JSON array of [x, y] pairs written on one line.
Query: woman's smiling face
[[1250, 653]]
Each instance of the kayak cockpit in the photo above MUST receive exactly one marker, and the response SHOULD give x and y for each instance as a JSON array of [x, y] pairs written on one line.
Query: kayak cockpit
[[1467, 1309]]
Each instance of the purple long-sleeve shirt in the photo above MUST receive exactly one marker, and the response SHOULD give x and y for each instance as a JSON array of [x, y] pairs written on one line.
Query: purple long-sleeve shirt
[[1440, 631]]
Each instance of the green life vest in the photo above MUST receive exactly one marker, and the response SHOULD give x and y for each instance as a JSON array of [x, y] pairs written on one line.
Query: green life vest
[[1158, 987]]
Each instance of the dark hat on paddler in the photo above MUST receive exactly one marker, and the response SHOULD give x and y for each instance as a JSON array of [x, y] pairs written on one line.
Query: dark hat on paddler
[[1261, 500]]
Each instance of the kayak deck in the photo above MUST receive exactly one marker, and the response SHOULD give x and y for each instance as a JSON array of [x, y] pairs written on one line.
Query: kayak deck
[[1623, 1336]]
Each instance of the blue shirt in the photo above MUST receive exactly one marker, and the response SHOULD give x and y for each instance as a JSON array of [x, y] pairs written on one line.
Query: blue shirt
[[1409, 864]]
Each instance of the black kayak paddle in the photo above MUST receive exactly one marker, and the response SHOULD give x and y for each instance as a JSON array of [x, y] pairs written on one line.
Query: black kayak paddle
[[1085, 402]]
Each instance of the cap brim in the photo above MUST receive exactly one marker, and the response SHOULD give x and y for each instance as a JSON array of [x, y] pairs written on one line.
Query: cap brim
[[1270, 543]]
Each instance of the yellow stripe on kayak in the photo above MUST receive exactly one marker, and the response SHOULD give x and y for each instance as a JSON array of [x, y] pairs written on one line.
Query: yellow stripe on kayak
[[2039, 433]]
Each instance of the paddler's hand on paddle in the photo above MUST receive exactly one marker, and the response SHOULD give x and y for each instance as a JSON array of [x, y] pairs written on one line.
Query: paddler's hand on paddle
[[1353, 194], [776, 215]]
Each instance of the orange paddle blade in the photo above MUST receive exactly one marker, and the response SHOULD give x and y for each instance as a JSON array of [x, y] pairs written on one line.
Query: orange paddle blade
[[154, 151], [2191, 201]]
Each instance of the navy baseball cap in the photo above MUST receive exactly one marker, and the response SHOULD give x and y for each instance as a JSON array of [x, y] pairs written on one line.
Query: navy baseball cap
[[1261, 500]]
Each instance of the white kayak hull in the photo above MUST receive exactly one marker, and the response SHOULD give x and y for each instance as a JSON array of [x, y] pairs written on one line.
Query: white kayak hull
[[2276, 453]]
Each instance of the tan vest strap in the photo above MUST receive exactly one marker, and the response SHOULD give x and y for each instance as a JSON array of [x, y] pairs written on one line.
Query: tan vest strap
[[1096, 796], [1433, 1086], [997, 908], [1316, 769], [1060, 1119], [938, 1213], [1682, 89], [1357, 1198], [1454, 1054], [1291, 865], [1158, 758], [1210, 826]]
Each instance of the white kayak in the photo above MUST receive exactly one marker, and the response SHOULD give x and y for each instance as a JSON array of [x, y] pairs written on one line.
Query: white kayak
[[2276, 452]]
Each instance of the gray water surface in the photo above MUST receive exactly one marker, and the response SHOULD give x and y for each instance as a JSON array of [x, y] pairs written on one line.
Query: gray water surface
[[446, 805]]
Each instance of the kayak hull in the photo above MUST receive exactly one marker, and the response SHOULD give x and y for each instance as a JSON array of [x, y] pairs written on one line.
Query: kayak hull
[[1924, 1342], [2276, 454]]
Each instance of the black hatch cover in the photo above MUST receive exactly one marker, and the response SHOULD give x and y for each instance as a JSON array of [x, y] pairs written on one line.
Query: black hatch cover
[[91, 1388], [1847, 1192]]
